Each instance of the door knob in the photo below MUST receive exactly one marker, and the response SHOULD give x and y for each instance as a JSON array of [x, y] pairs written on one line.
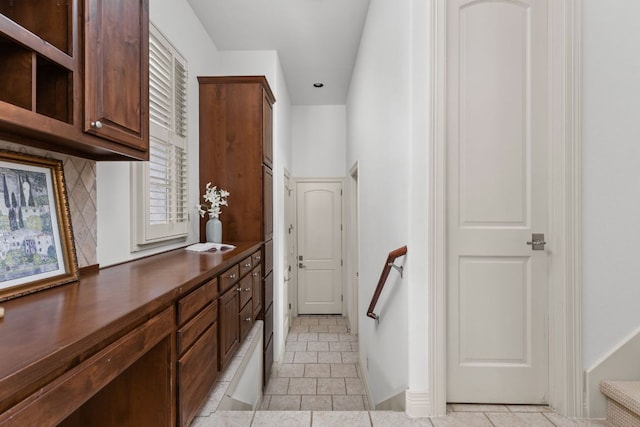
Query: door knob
[[537, 242]]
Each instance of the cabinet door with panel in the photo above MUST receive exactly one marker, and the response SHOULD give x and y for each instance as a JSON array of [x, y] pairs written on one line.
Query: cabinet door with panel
[[117, 71], [228, 309]]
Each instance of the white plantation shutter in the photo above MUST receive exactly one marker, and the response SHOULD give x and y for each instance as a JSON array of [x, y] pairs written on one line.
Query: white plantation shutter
[[160, 82], [163, 179], [167, 182], [180, 101]]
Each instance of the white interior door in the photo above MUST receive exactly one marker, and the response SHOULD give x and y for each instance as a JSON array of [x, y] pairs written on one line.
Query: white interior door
[[319, 217], [497, 135]]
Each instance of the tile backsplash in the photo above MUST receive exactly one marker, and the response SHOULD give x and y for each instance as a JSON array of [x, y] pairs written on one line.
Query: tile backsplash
[[80, 177]]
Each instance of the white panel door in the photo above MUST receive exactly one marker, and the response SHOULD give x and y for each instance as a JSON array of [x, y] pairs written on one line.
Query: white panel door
[[319, 215], [497, 135]]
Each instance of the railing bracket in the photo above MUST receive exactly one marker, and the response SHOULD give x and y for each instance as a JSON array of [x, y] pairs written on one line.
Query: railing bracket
[[374, 317], [400, 268]]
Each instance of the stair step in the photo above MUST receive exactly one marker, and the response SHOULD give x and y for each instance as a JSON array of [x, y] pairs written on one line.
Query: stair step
[[623, 402]]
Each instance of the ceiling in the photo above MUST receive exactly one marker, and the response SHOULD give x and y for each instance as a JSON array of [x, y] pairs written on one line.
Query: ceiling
[[316, 40]]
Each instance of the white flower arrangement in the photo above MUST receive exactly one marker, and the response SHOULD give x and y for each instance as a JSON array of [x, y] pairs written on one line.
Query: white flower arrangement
[[214, 199]]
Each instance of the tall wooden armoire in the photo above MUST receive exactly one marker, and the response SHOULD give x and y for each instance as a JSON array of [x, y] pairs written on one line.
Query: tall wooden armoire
[[236, 154]]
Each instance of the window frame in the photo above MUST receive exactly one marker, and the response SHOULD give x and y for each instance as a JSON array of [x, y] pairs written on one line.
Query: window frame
[[173, 146]]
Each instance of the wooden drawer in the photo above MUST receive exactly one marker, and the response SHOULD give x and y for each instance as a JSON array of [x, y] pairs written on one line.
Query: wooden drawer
[[197, 372], [268, 256], [246, 320], [268, 324], [268, 290], [197, 300], [245, 266], [256, 281], [228, 278], [192, 330], [246, 290], [256, 258]]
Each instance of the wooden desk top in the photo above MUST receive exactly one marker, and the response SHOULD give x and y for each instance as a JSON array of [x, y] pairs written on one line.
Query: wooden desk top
[[44, 334]]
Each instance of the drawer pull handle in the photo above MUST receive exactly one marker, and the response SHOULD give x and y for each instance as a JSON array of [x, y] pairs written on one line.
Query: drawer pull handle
[[239, 289], [258, 258], [232, 276], [247, 289], [248, 319], [248, 265], [255, 274]]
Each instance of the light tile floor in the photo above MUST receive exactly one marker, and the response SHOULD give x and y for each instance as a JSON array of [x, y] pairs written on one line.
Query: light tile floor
[[320, 369], [319, 384], [458, 416]]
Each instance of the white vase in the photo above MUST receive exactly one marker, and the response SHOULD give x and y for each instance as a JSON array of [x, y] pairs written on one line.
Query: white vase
[[214, 230]]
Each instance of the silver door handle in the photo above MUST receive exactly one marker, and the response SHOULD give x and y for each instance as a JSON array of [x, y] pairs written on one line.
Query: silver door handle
[[537, 242]]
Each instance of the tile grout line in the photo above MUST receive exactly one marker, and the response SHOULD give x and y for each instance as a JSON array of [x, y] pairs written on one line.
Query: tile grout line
[[489, 419]]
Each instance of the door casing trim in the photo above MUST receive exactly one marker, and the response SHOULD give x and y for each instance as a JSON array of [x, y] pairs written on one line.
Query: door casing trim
[[354, 250], [565, 204]]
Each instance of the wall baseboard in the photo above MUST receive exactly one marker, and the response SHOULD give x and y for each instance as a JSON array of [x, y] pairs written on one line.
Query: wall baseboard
[[418, 403], [621, 363]]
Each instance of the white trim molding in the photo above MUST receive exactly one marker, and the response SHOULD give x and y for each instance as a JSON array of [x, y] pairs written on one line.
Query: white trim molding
[[565, 173], [566, 379], [437, 215], [417, 403]]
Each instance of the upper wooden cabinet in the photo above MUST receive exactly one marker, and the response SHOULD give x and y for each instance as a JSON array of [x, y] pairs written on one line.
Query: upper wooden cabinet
[[74, 76], [117, 71], [235, 142]]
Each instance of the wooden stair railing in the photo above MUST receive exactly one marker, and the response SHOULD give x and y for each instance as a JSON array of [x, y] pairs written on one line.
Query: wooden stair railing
[[393, 255]]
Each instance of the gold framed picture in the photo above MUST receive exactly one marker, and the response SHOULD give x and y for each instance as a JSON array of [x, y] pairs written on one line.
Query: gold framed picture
[[37, 249]]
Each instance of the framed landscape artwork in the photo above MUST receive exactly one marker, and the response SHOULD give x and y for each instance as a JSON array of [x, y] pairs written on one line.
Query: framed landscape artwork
[[36, 240]]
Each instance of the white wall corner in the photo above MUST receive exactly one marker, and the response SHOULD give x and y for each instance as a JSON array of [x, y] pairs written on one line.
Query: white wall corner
[[418, 403]]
